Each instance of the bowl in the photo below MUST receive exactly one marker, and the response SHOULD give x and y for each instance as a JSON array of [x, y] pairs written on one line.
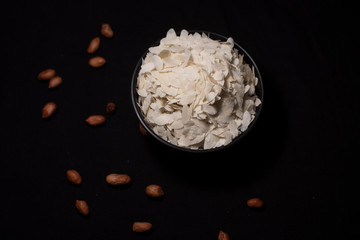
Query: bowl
[[259, 90]]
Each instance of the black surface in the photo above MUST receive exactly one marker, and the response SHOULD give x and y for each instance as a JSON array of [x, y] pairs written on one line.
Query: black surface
[[298, 159]]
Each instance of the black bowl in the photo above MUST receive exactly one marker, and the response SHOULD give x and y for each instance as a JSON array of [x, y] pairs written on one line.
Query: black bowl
[[259, 90]]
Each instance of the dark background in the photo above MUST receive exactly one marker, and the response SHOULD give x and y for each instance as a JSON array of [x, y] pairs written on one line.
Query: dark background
[[298, 159]]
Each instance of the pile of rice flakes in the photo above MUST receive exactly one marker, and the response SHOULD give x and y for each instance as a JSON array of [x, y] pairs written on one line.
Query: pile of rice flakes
[[196, 92]]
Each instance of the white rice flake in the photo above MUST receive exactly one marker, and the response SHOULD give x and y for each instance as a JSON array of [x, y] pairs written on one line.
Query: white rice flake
[[196, 92], [146, 67], [142, 92], [158, 63], [245, 121], [163, 119]]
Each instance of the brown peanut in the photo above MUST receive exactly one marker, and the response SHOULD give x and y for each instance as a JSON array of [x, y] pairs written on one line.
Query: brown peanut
[[48, 110], [223, 236], [82, 207], [106, 30], [55, 81], [118, 179], [255, 203], [110, 108], [143, 131], [154, 191], [94, 45], [97, 62], [73, 176], [95, 120], [46, 74], [141, 226]]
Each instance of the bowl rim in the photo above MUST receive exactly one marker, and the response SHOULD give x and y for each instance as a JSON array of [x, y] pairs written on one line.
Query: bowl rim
[[259, 87]]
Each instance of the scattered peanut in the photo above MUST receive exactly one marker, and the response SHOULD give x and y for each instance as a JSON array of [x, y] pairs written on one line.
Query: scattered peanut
[[82, 207], [142, 130], [95, 120], [110, 108], [106, 30], [55, 81], [73, 176], [48, 110], [94, 45], [154, 191], [46, 74], [141, 226], [117, 179], [223, 236], [255, 203], [97, 62]]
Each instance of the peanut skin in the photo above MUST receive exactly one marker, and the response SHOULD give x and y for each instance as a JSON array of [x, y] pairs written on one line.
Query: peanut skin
[[117, 179], [143, 131], [223, 236], [110, 108], [106, 30], [46, 74], [255, 203], [97, 62], [73, 176], [82, 207], [55, 82], [48, 110], [95, 120], [154, 191], [141, 226], [94, 45]]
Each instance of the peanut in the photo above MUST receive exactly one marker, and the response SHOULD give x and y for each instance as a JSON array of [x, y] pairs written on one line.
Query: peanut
[[154, 191], [46, 74], [110, 108], [73, 176], [106, 30], [97, 62], [255, 203], [223, 236], [55, 81], [82, 207], [141, 226], [48, 110], [143, 131], [94, 45], [95, 120], [117, 179]]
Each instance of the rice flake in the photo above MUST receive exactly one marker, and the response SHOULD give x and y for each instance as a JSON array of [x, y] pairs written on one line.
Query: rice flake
[[196, 92]]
